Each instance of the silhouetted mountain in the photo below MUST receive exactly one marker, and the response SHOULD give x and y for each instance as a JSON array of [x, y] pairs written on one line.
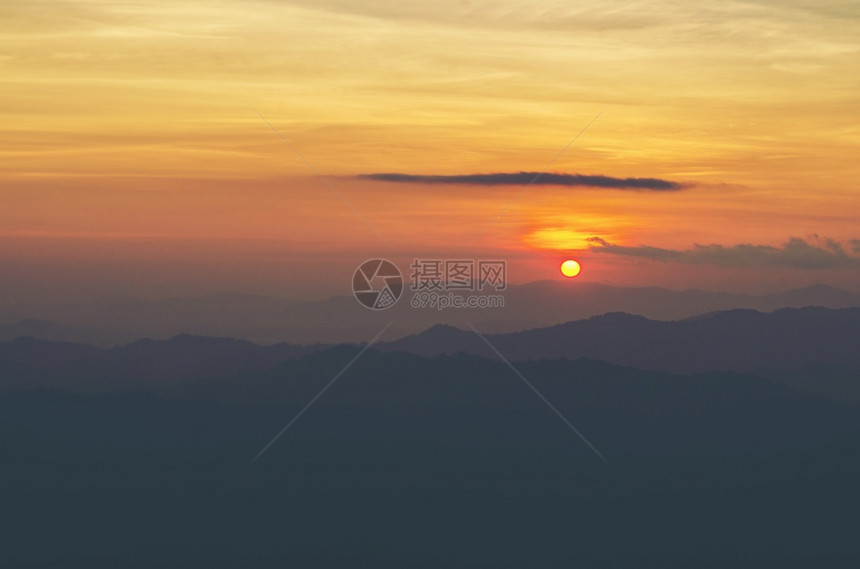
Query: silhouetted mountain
[[49, 330], [339, 319], [27, 362], [815, 295], [737, 340]]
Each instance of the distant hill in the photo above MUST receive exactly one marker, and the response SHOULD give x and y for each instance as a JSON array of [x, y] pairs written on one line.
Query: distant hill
[[771, 344], [261, 319], [736, 340], [50, 330]]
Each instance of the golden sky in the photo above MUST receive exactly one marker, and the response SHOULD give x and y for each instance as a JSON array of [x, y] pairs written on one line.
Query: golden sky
[[124, 123]]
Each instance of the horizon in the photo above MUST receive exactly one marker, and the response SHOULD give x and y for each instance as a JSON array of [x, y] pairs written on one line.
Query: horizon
[[556, 282], [437, 326], [339, 319]]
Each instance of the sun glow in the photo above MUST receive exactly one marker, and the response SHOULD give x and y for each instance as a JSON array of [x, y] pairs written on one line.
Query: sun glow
[[570, 268], [557, 238]]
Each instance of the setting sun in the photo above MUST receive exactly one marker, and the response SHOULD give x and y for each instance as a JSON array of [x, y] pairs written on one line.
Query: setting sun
[[570, 268]]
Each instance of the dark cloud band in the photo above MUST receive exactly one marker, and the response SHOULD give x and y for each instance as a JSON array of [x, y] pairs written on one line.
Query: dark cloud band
[[816, 253], [536, 178]]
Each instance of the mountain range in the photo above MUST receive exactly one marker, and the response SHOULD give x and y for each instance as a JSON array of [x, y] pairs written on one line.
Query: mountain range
[[114, 321], [735, 340], [814, 349]]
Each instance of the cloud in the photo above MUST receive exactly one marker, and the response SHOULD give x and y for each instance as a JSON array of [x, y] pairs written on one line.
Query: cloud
[[536, 178], [813, 253]]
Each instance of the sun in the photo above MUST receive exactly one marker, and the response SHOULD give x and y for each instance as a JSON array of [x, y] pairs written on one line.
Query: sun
[[570, 268]]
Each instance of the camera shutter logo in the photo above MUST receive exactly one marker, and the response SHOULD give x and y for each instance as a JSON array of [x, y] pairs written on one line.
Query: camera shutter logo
[[377, 284]]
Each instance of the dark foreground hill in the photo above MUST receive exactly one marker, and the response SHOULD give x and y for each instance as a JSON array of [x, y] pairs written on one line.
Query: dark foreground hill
[[449, 461]]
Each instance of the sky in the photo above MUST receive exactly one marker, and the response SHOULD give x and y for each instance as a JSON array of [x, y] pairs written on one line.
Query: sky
[[161, 148]]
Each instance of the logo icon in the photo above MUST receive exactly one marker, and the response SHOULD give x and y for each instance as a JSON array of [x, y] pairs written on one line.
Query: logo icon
[[377, 284]]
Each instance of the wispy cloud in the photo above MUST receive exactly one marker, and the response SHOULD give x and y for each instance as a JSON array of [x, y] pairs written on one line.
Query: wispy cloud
[[543, 179], [813, 253]]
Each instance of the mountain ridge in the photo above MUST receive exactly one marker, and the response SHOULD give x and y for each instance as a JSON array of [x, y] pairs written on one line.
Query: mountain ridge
[[340, 319], [740, 340]]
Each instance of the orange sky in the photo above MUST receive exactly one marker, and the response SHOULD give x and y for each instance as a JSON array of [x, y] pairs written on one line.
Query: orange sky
[[128, 134]]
